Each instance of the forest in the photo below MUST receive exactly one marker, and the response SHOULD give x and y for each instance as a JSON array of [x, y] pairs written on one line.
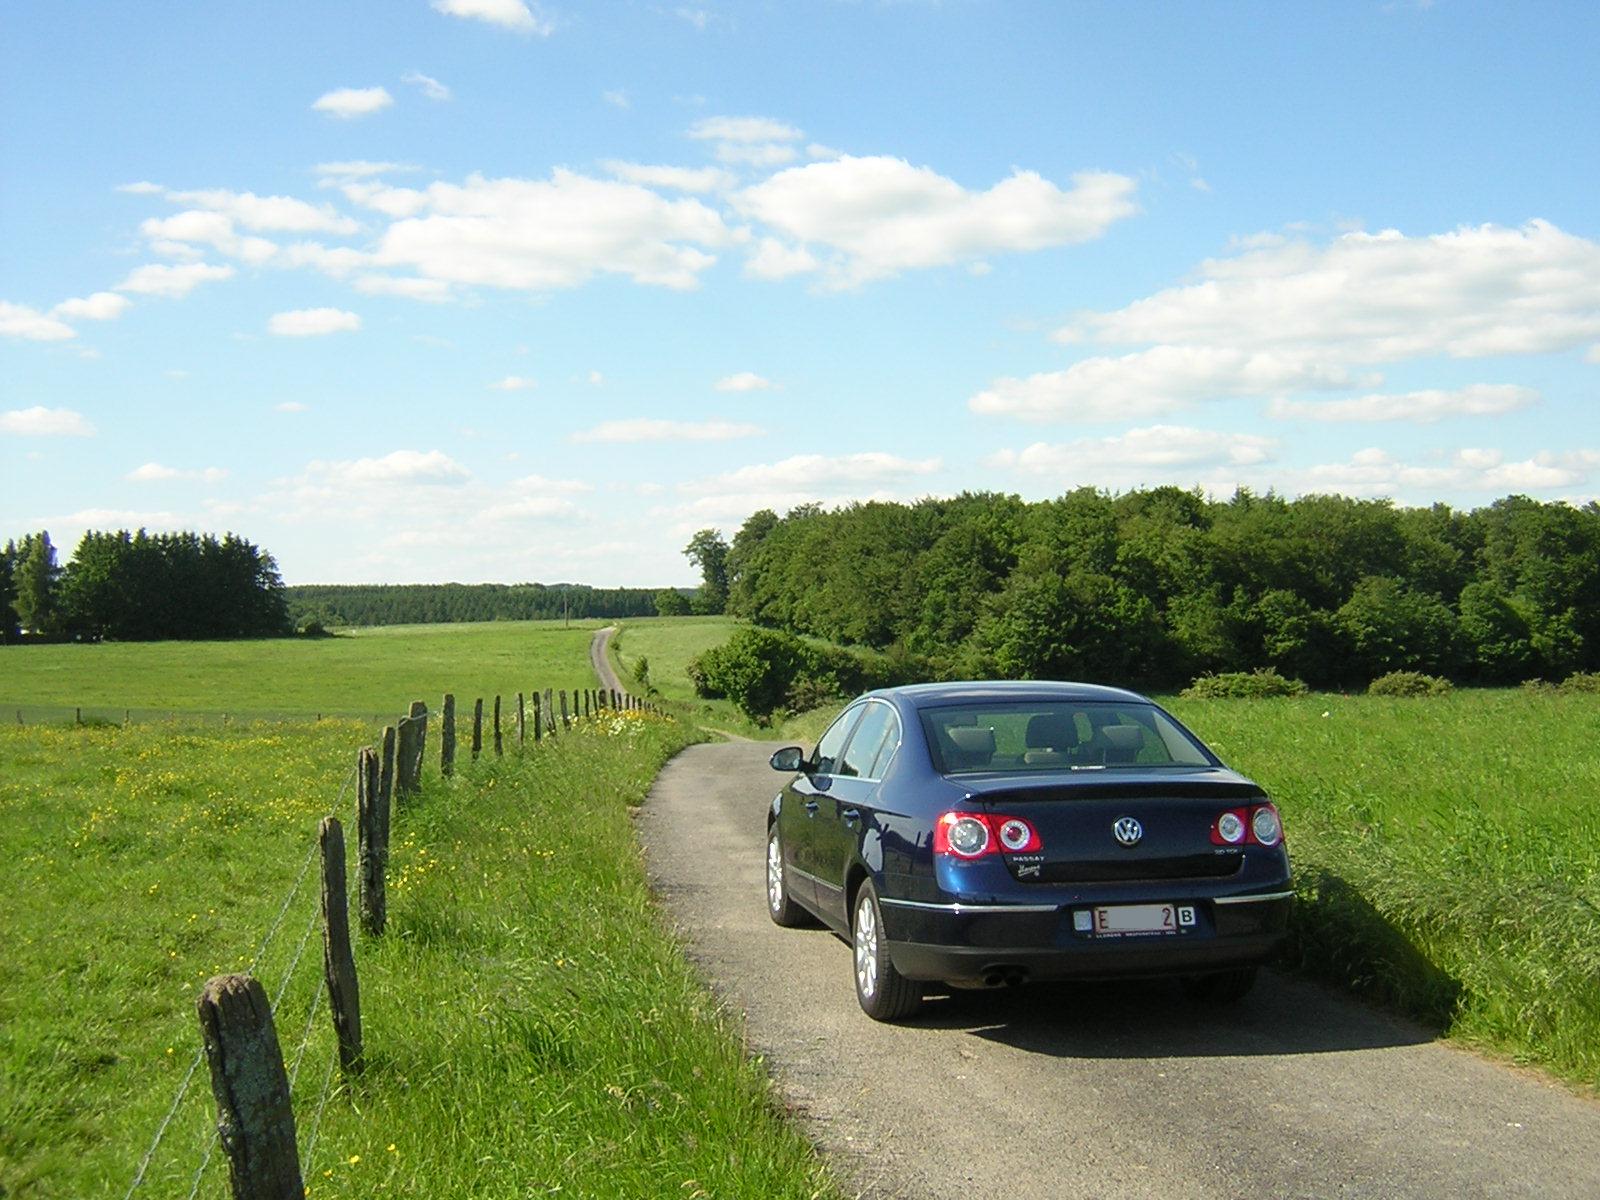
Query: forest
[[1159, 586], [429, 603], [141, 587]]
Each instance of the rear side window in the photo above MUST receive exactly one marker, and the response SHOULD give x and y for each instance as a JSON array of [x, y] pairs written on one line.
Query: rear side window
[[873, 744], [824, 759]]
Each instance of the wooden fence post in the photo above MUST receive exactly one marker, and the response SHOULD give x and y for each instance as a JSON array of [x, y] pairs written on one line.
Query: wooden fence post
[[588, 697], [538, 731], [372, 843], [254, 1117], [411, 774], [549, 710], [386, 764], [447, 737], [565, 724], [477, 728], [338, 962], [522, 722], [499, 743]]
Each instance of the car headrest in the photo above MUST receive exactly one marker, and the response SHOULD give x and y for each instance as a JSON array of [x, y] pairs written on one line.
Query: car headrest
[[1050, 731], [974, 744]]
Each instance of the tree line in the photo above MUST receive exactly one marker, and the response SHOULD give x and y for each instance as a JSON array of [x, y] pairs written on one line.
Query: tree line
[[1161, 585], [141, 587], [430, 603]]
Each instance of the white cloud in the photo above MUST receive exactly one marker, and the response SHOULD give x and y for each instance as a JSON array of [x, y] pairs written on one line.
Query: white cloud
[[1592, 354], [268, 214], [152, 472], [350, 103], [313, 322], [818, 473], [102, 306], [431, 88], [20, 321], [514, 15], [744, 381], [39, 421], [159, 279], [617, 98], [1422, 407], [433, 291], [1149, 383], [773, 260], [694, 16], [881, 216], [1136, 454], [644, 429], [515, 383], [540, 235], [680, 179], [291, 406], [175, 234], [358, 168], [1366, 297], [743, 129], [1376, 472], [143, 188]]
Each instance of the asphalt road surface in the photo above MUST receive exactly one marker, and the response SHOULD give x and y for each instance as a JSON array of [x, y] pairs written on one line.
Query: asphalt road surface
[[601, 664], [1105, 1090]]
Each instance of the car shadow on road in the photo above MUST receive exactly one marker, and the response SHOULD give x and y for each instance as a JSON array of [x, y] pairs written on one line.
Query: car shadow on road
[[1154, 1018]]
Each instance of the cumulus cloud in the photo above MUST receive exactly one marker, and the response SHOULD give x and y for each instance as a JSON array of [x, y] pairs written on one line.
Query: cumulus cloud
[[678, 179], [644, 429], [1376, 472], [773, 260], [102, 306], [349, 103], [515, 15], [819, 473], [515, 383], [1421, 407], [358, 168], [430, 87], [313, 322], [267, 214], [152, 472], [432, 291], [159, 279], [177, 234], [39, 421], [749, 141], [541, 235], [743, 381], [1156, 448], [20, 321], [880, 216]]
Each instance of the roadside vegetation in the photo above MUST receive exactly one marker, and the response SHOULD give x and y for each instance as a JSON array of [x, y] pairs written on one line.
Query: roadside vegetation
[[531, 1027]]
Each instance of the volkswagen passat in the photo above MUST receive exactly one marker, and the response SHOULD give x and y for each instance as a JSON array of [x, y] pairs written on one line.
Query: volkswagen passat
[[981, 834]]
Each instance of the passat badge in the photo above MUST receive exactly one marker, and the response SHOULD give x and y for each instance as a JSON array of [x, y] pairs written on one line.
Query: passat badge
[[1128, 831]]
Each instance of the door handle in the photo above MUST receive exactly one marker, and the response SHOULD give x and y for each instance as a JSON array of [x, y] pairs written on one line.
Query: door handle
[[850, 814], [811, 807]]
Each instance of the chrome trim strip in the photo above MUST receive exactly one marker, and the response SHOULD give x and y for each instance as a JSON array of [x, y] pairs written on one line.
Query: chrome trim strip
[[958, 909], [1250, 899], [810, 876]]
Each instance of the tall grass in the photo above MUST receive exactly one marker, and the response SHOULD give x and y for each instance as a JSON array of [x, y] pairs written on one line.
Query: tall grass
[[1447, 854]]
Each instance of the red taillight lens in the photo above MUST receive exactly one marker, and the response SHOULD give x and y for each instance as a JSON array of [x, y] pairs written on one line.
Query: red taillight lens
[[1256, 826], [972, 835]]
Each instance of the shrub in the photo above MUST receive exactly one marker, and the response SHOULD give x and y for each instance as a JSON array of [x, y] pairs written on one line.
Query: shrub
[[764, 671], [1409, 683], [1259, 684], [1587, 682]]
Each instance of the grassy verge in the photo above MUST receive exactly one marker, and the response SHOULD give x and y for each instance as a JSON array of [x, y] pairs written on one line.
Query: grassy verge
[[1447, 855], [531, 1028], [362, 672]]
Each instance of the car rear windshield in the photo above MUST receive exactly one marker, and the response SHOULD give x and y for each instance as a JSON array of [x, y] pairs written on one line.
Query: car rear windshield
[[1057, 735]]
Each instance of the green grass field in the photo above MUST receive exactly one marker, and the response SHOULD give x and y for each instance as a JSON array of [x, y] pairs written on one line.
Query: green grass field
[[530, 1027], [365, 672]]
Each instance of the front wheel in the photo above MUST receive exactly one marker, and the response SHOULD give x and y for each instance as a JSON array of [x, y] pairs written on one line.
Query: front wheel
[[884, 993], [780, 907]]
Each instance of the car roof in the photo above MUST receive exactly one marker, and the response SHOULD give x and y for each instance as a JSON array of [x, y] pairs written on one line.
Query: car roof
[[934, 695]]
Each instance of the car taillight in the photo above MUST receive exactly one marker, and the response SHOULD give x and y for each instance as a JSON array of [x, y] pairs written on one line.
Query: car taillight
[[1256, 826], [972, 835]]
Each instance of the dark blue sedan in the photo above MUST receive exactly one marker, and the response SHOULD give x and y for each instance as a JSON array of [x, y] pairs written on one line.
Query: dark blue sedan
[[984, 834]]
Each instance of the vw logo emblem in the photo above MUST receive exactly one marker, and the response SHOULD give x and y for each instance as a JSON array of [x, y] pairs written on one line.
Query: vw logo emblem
[[1128, 831]]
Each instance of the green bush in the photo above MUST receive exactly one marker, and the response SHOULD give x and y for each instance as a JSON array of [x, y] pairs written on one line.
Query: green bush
[[765, 672], [1587, 682], [1409, 683], [1260, 684]]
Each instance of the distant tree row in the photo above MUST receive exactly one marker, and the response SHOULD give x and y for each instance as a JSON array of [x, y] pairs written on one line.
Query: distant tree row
[[141, 587], [431, 603], [1158, 586]]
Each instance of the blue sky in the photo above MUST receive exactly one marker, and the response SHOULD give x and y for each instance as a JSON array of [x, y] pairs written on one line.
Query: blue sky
[[491, 290]]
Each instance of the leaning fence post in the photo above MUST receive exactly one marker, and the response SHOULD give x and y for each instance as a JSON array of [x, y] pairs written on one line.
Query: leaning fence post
[[477, 727], [254, 1119], [372, 843], [538, 732], [499, 743], [522, 722], [564, 722], [338, 962], [411, 773], [386, 764], [550, 709], [447, 737]]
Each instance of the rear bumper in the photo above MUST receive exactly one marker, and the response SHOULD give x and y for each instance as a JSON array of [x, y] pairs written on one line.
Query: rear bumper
[[972, 943]]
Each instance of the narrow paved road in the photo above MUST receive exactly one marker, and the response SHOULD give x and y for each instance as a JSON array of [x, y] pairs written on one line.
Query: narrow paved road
[[598, 658], [1108, 1090]]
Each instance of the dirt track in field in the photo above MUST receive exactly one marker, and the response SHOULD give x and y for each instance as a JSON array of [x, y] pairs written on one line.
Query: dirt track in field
[[1091, 1090]]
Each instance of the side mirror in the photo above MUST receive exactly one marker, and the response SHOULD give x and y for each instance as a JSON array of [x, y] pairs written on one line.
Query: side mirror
[[789, 760]]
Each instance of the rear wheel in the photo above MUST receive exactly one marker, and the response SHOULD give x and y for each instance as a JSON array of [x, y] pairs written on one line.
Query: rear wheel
[[1221, 987], [780, 907], [884, 993]]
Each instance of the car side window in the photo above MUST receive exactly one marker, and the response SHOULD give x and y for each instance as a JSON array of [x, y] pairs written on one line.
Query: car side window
[[825, 757], [877, 727]]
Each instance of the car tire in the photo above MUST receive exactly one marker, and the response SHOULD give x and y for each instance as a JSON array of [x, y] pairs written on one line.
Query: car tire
[[884, 993], [783, 910], [1221, 987]]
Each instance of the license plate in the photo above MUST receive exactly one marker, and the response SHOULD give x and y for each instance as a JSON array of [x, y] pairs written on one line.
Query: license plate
[[1114, 920]]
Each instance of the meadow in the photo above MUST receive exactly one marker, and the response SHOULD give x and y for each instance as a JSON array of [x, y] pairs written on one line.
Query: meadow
[[365, 673], [530, 1026]]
